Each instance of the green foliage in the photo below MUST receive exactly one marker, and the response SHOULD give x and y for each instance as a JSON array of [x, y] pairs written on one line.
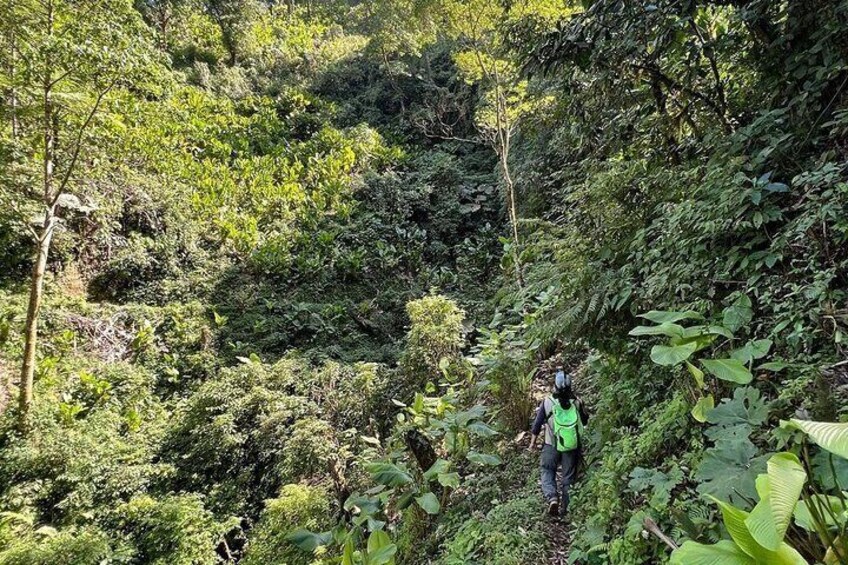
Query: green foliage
[[77, 546], [298, 506], [265, 193], [434, 341], [509, 534], [174, 529]]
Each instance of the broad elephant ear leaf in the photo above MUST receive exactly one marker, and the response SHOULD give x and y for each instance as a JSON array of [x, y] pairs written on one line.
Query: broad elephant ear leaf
[[381, 550], [724, 552], [731, 370], [389, 474], [704, 405], [666, 328], [828, 435], [663, 316], [429, 503], [672, 355], [309, 541]]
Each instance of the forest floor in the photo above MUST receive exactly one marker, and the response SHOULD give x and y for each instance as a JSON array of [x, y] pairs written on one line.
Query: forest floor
[[559, 541]]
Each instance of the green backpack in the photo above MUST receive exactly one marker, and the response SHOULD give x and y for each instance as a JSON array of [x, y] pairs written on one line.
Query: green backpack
[[566, 424]]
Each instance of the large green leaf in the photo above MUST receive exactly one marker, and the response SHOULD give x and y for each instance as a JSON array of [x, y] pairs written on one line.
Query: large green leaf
[[389, 474], [383, 556], [734, 520], [746, 408], [724, 552], [380, 548], [672, 355], [664, 316], [696, 373], [483, 458], [367, 505], [481, 429], [830, 471], [666, 329], [779, 491], [704, 405], [450, 480], [728, 370], [309, 541], [429, 503], [752, 350], [738, 314], [830, 436], [440, 466], [728, 470]]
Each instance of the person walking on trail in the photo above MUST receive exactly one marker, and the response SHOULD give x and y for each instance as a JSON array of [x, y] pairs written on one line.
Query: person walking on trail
[[563, 416]]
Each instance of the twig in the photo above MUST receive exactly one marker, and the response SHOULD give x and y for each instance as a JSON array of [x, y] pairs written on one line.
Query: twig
[[651, 526]]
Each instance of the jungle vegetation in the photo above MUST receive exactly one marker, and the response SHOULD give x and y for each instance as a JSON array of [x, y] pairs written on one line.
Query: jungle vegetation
[[283, 282]]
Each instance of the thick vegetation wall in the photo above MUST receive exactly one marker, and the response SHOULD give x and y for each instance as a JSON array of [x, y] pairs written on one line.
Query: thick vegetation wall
[[311, 266]]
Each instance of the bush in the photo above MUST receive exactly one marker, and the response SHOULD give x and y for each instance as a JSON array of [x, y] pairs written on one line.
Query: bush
[[71, 546], [434, 341], [229, 439], [174, 530], [298, 506], [95, 432]]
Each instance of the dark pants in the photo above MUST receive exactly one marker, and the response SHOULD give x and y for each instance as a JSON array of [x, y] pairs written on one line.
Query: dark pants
[[551, 460]]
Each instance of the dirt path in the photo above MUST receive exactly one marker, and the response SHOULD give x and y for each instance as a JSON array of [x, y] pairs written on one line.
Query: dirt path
[[559, 541]]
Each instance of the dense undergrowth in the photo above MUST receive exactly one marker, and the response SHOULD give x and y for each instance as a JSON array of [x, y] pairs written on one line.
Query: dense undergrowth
[[292, 315]]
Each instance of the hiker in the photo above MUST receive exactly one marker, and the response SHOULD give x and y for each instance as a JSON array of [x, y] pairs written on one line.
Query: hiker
[[563, 416]]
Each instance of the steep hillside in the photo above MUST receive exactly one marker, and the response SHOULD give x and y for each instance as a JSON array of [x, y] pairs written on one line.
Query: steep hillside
[[286, 283]]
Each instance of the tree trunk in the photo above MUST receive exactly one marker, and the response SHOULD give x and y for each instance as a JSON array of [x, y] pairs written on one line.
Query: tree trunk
[[503, 154], [13, 92], [43, 243], [31, 331], [423, 452]]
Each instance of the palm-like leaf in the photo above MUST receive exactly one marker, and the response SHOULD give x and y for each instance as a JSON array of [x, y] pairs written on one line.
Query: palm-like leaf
[[780, 488], [724, 552], [829, 435]]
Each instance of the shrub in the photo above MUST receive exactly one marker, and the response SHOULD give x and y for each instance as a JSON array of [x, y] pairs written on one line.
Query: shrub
[[173, 530], [298, 506], [434, 341], [229, 438], [71, 546]]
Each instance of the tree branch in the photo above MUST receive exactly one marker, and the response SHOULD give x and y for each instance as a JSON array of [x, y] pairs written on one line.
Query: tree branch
[[78, 142]]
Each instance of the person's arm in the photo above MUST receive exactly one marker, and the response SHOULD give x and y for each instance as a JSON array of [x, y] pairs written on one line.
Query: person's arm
[[538, 422], [581, 409]]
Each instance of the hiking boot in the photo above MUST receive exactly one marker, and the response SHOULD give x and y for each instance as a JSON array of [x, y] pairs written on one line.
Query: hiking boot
[[553, 508]]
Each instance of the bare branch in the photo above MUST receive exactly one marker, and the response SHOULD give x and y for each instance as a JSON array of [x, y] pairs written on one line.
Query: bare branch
[[78, 142]]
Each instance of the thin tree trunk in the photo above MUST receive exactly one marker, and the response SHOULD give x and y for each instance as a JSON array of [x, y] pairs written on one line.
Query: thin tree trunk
[[31, 331], [43, 244], [504, 141], [13, 92], [421, 449]]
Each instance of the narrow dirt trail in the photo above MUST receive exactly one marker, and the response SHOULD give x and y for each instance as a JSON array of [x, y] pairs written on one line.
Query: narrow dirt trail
[[559, 542]]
